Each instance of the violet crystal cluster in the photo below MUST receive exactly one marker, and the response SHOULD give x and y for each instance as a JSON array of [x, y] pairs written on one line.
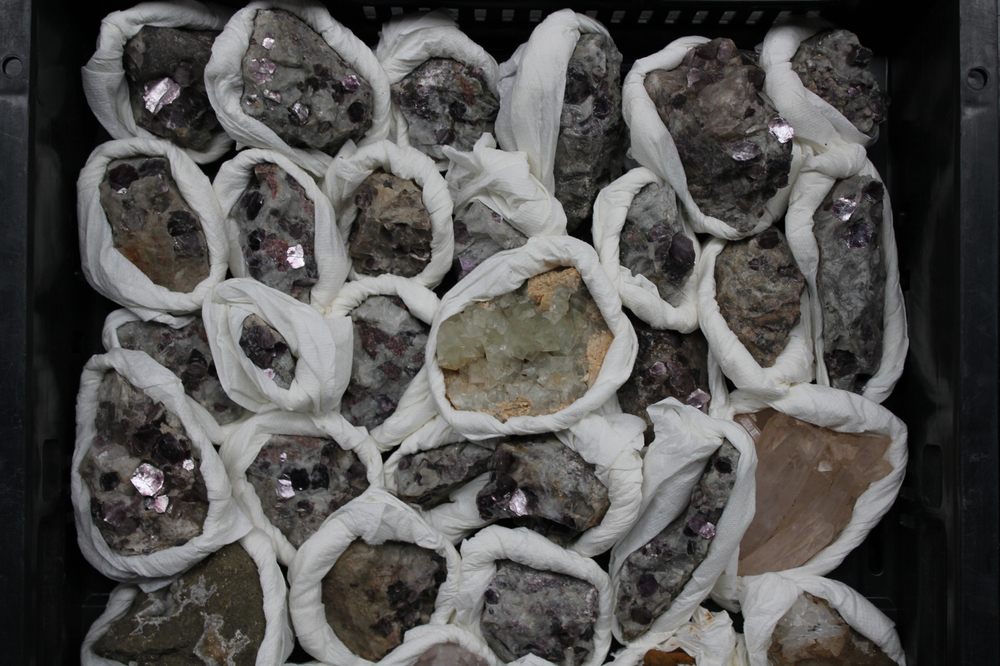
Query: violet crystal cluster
[[268, 350]]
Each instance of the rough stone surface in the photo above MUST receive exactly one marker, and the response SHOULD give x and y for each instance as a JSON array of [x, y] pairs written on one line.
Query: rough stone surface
[[151, 224], [851, 280], [302, 480], [446, 103], [808, 479], [277, 231], [392, 232], [298, 86], [389, 346], [758, 288], [146, 488], [531, 351], [726, 132], [660, 658], [165, 72], [428, 478], [655, 574], [449, 654], [544, 613], [212, 615], [479, 234], [266, 349], [375, 594]]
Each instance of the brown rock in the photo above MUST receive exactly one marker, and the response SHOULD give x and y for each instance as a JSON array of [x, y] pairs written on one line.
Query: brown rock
[[392, 232], [660, 658]]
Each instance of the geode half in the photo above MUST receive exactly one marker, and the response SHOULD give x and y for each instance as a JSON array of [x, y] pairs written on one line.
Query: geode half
[[479, 234], [427, 478], [268, 350]]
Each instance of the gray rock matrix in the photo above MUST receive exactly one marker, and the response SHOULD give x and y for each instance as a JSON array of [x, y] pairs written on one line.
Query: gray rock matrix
[[268, 350], [479, 234], [428, 477]]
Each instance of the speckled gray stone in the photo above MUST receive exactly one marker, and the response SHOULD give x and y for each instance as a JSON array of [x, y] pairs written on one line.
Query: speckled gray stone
[[267, 349], [479, 234], [428, 477]]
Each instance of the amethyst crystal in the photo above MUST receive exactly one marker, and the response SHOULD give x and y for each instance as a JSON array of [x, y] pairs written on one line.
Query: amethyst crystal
[[428, 477], [266, 349], [479, 234]]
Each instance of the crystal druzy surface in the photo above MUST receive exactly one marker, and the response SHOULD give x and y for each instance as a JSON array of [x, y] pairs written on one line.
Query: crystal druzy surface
[[427, 478], [449, 654], [375, 594], [808, 479], [165, 72], [298, 86], [479, 234], [851, 280], [655, 574], [146, 488], [736, 151], [544, 613], [446, 103], [302, 480], [392, 231], [277, 231], [758, 288], [267, 349], [152, 225], [212, 614], [389, 346], [531, 351]]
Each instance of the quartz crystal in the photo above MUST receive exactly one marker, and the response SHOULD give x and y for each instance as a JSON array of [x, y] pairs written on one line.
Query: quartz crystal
[[152, 225], [721, 124], [302, 480], [808, 479], [661, 658], [548, 614], [427, 478], [655, 574], [445, 103], [298, 86], [212, 614], [758, 288], [375, 594], [266, 349], [479, 234], [532, 351], [449, 654]]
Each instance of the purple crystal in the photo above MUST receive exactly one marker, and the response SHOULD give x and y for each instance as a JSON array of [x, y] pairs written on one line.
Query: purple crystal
[[701, 526], [296, 256], [744, 151], [859, 236], [261, 70], [160, 93], [148, 480], [268, 41], [844, 208], [351, 83], [301, 113], [658, 369], [781, 129], [161, 504], [699, 400]]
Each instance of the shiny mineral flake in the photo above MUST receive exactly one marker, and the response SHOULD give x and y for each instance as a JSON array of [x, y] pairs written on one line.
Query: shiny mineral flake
[[267, 350], [781, 129], [427, 478]]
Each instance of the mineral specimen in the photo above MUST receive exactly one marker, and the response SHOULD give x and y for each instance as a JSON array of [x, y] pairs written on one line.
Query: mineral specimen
[[808, 479], [661, 658], [152, 225], [427, 478], [389, 346], [445, 103], [298, 86], [146, 488], [544, 613], [165, 72], [302, 480], [758, 287], [266, 349], [375, 594], [531, 351], [212, 614], [851, 280], [479, 234], [655, 574], [736, 151], [449, 654], [277, 231]]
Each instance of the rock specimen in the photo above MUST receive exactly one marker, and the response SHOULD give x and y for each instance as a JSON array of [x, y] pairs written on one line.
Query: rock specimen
[[375, 594], [212, 614], [427, 478], [445, 103], [479, 234], [834, 65], [661, 658], [298, 86], [758, 287], [544, 613], [851, 280], [277, 231], [266, 349], [655, 574], [736, 151], [389, 346], [146, 488], [531, 351], [165, 72], [152, 225], [449, 654], [808, 479], [812, 632], [302, 480], [544, 485]]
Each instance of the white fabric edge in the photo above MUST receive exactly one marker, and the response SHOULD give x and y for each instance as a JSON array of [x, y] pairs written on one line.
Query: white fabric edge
[[708, 637], [420, 639]]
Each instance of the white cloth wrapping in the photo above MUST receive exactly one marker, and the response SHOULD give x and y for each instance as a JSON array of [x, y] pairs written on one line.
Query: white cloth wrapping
[[331, 255], [240, 450], [505, 272], [420, 639], [224, 522], [653, 147], [674, 462], [103, 76], [638, 293], [479, 557], [107, 270], [818, 176], [321, 347], [767, 598], [224, 79], [708, 637], [375, 517], [278, 638]]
